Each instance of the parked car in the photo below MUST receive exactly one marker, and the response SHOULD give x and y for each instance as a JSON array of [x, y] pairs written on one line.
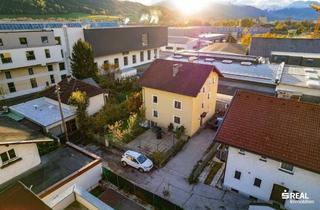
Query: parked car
[[136, 160], [215, 123]]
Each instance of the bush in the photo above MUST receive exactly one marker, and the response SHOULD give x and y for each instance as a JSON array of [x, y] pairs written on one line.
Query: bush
[[180, 131], [47, 147]]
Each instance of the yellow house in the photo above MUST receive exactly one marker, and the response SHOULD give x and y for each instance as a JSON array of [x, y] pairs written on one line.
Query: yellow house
[[180, 93]]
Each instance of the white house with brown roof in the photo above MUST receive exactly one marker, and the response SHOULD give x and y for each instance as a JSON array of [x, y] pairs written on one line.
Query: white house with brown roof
[[273, 150], [18, 149], [45, 111]]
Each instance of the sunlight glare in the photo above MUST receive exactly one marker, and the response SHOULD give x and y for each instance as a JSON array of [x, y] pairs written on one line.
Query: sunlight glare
[[189, 7]]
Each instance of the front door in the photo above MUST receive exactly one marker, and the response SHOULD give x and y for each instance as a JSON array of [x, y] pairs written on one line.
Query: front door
[[276, 194]]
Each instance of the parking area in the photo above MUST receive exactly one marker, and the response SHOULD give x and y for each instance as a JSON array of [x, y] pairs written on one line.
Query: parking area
[[173, 178], [147, 143]]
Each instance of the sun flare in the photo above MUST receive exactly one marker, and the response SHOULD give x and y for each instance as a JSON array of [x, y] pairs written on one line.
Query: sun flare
[[189, 7]]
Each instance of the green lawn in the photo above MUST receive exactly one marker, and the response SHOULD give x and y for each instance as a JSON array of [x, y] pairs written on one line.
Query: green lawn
[[212, 173]]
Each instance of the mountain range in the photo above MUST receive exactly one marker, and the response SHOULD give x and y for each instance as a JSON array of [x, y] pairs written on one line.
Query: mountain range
[[298, 10]]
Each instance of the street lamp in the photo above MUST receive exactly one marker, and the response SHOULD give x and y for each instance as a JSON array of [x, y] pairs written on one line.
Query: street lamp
[[57, 91]]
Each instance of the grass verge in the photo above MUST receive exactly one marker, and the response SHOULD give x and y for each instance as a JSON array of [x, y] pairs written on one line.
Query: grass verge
[[212, 173]]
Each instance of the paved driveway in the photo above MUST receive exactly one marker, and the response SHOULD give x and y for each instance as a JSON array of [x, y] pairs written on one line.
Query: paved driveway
[[173, 178]]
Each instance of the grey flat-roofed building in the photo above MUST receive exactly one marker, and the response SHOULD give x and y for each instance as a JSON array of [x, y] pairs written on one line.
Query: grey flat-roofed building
[[108, 41], [239, 72], [296, 58], [264, 46]]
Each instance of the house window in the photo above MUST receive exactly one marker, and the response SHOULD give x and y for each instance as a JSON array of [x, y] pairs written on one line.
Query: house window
[[176, 120], [11, 87], [116, 62], [62, 66], [7, 156], [63, 76], [1, 43], [125, 60], [286, 167], [6, 58], [202, 105], [134, 59], [144, 39], [30, 71], [8, 74], [58, 40], [47, 52], [213, 81], [155, 99], [33, 82], [50, 68], [62, 55], [155, 51], [30, 55], [203, 89], [23, 40], [44, 40], [149, 54], [257, 182], [155, 113], [177, 104], [52, 79], [169, 48], [141, 56], [237, 175], [209, 95]]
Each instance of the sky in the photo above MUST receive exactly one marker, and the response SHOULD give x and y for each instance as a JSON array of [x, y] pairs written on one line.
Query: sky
[[262, 4]]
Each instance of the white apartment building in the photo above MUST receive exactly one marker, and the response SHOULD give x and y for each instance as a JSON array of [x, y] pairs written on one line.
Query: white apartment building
[[34, 56], [30, 61], [272, 149]]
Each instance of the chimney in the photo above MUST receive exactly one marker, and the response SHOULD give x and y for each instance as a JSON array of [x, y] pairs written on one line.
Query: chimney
[[175, 69]]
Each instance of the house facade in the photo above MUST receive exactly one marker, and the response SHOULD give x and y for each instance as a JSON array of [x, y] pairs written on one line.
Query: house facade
[[126, 46], [18, 152], [30, 62], [184, 96], [272, 149]]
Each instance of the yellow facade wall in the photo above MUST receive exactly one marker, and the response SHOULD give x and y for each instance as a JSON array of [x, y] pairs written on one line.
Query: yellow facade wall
[[191, 106]]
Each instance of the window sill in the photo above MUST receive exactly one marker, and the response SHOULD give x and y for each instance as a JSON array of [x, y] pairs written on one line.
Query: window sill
[[285, 171], [10, 162]]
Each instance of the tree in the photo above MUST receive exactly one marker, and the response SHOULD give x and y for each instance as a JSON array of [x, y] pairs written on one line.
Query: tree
[[246, 39], [82, 61], [247, 22], [81, 102]]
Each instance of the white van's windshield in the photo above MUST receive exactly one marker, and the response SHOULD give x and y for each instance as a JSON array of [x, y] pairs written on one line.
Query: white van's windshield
[[142, 159]]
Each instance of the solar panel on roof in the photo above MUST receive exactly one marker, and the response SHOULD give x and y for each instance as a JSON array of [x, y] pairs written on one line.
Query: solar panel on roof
[[35, 26]]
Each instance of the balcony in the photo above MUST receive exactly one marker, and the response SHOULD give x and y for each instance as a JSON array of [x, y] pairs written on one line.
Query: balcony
[[24, 57]]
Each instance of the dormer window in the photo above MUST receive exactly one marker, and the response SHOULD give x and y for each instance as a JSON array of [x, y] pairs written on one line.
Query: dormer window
[[8, 157], [286, 167]]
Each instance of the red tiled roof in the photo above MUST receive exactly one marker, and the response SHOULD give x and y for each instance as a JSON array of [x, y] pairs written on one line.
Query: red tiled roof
[[188, 81], [68, 87], [280, 129]]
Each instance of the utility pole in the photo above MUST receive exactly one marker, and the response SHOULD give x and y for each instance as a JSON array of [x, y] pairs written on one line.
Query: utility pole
[[61, 113]]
